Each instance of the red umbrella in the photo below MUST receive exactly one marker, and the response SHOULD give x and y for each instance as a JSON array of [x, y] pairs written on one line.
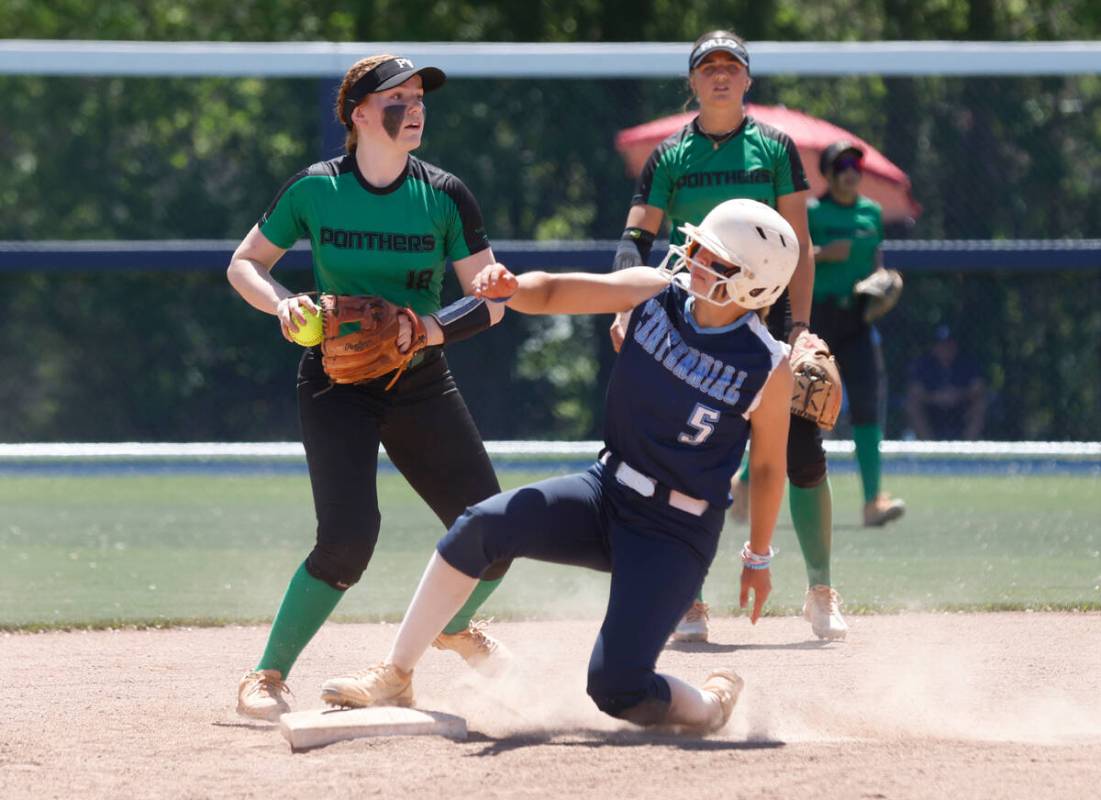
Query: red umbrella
[[883, 181]]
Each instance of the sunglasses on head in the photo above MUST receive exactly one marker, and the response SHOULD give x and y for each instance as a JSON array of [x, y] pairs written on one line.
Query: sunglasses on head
[[848, 162]]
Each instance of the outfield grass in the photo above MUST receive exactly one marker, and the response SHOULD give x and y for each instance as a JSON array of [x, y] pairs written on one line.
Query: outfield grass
[[148, 549]]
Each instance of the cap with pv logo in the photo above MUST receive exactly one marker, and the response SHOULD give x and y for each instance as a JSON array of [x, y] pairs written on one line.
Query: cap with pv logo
[[390, 73]]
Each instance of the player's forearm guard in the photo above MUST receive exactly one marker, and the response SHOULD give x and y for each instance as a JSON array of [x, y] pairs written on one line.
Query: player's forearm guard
[[462, 319], [633, 249]]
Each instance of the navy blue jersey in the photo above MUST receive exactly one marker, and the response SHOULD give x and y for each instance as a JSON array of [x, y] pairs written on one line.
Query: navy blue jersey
[[680, 395]]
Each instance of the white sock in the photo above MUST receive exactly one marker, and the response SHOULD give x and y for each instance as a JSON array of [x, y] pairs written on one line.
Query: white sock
[[440, 595], [691, 706]]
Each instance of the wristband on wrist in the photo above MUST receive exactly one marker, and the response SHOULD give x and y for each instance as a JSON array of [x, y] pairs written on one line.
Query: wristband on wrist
[[751, 560], [633, 249], [462, 319]]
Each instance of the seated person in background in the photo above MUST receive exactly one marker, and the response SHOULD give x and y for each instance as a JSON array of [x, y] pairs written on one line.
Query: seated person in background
[[945, 392]]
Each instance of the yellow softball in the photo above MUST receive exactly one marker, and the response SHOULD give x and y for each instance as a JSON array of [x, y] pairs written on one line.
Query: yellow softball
[[309, 334]]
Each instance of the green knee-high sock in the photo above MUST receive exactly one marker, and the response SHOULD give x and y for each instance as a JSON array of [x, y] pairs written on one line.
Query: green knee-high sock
[[812, 515], [867, 439], [481, 593], [306, 605]]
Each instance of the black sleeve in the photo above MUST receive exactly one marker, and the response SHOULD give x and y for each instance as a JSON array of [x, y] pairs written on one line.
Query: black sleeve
[[468, 235], [655, 182], [799, 180]]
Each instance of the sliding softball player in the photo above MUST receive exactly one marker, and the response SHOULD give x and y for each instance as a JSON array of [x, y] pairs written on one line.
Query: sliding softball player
[[697, 371], [725, 153]]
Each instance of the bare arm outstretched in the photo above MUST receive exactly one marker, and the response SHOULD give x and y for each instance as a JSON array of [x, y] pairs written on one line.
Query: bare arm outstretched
[[569, 292]]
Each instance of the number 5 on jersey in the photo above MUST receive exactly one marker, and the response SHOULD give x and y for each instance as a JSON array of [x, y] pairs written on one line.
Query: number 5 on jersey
[[702, 421]]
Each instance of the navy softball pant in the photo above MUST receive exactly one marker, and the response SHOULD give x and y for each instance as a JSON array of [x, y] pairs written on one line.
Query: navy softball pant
[[657, 555]]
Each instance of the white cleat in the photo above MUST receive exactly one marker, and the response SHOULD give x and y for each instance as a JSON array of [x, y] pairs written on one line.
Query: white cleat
[[693, 626], [261, 695], [822, 609], [477, 648], [381, 685], [726, 685], [883, 509]]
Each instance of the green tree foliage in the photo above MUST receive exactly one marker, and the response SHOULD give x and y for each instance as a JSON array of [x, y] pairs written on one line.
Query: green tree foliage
[[179, 356]]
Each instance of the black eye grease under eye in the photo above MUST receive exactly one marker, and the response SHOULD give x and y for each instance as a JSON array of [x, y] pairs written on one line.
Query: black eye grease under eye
[[392, 117]]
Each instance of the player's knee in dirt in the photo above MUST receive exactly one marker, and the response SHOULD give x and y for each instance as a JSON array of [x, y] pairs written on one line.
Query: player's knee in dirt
[[637, 706], [627, 691]]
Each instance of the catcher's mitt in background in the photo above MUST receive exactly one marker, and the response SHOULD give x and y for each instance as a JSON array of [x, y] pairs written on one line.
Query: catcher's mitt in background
[[880, 292], [817, 392], [361, 338]]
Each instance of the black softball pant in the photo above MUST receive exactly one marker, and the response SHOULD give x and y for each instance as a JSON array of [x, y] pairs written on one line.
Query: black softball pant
[[657, 555], [806, 453], [859, 357], [428, 434]]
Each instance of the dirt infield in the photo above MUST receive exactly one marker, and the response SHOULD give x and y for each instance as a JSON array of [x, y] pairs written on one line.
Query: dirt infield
[[922, 706]]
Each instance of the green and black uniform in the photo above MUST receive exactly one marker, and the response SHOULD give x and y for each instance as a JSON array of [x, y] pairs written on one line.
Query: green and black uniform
[[862, 224], [839, 319], [392, 241], [686, 176]]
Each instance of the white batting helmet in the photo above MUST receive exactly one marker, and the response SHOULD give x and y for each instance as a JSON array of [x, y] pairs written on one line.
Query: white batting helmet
[[748, 234]]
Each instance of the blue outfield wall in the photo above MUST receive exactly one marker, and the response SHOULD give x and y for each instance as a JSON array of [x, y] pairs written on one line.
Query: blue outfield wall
[[592, 256]]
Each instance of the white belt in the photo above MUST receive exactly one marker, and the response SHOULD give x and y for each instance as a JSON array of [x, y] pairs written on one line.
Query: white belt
[[647, 487]]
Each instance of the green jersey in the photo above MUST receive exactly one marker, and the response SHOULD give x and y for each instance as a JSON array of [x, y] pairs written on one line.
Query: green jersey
[[689, 174], [862, 224], [391, 241]]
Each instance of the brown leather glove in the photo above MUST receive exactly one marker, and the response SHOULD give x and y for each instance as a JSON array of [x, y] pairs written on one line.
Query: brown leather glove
[[361, 337], [817, 392]]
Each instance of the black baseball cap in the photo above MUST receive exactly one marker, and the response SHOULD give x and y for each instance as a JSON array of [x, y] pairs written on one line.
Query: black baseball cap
[[723, 44], [390, 73], [835, 151]]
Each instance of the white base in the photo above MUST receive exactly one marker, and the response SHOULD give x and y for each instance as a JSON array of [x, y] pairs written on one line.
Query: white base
[[319, 727]]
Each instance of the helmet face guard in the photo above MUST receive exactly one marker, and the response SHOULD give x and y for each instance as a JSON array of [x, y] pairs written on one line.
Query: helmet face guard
[[681, 260], [754, 239]]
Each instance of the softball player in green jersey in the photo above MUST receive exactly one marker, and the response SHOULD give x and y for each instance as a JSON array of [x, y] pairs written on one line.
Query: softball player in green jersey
[[379, 222], [723, 154], [849, 229]]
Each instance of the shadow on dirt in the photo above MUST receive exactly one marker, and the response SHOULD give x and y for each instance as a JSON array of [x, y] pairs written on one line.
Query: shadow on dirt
[[590, 738], [715, 647], [254, 726]]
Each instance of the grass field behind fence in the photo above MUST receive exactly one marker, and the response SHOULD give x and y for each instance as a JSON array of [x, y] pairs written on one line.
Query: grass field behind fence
[[137, 549]]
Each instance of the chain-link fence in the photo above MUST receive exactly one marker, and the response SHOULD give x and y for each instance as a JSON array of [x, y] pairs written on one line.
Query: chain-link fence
[[149, 158], [1007, 157]]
